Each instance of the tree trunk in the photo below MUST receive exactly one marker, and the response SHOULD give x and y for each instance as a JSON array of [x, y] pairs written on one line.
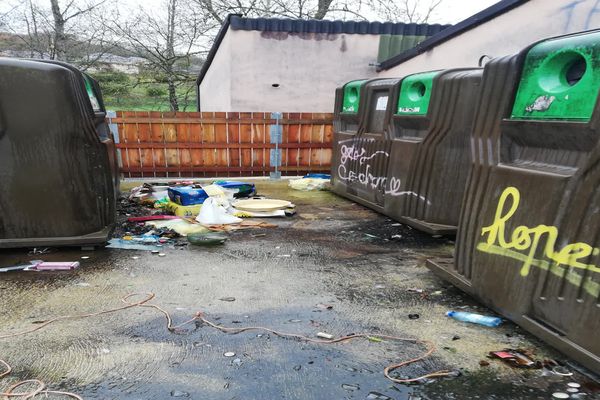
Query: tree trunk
[[172, 94], [58, 52], [171, 55], [322, 8]]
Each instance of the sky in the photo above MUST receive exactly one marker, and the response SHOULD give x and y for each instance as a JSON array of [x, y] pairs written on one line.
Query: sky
[[453, 11], [449, 12]]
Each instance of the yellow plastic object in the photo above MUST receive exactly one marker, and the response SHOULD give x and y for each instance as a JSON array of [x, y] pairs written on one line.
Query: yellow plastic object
[[261, 204], [182, 211], [180, 226]]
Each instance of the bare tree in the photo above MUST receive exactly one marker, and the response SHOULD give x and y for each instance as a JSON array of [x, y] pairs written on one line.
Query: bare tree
[[410, 11], [303, 9], [167, 39], [61, 30]]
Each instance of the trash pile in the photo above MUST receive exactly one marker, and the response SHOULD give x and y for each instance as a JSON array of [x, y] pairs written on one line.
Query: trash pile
[[181, 212], [311, 182]]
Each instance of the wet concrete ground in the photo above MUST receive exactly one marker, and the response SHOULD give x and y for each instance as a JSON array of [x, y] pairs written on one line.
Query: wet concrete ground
[[332, 252]]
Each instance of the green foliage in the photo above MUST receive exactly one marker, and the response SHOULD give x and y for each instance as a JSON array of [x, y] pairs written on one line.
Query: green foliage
[[142, 93], [113, 83], [156, 91]]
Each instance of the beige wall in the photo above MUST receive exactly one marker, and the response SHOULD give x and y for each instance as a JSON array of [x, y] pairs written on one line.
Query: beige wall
[[215, 90], [307, 67], [506, 34]]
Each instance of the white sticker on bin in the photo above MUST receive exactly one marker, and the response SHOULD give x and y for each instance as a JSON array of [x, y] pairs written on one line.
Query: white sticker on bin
[[381, 103]]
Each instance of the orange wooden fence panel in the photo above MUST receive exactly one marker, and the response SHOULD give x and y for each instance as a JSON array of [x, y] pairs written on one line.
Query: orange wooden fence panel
[[207, 144]]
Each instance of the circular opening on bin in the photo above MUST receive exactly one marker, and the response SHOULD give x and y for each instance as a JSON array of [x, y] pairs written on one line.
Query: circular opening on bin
[[562, 71], [275, 85], [352, 94], [416, 91], [575, 71]]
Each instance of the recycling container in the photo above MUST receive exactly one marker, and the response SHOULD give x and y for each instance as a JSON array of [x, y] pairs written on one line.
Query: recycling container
[[362, 158], [528, 243], [430, 127], [58, 171], [410, 156], [346, 118]]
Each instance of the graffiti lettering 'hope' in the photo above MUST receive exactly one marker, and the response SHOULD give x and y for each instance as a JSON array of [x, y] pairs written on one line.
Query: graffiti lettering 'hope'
[[523, 242]]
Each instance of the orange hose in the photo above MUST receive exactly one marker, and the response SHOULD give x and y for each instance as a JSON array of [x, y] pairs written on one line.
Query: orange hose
[[199, 316]]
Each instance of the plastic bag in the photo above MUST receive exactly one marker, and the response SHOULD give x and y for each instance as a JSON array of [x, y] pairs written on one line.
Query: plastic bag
[[212, 213], [307, 184]]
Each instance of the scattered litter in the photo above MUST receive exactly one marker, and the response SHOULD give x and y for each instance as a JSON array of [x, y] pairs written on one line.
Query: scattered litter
[[560, 395], [413, 316], [396, 236], [239, 189], [562, 371], [258, 235], [475, 318], [284, 255], [161, 254], [213, 213], [182, 226], [187, 195], [261, 205], [573, 385], [297, 367], [379, 286], [517, 358], [85, 257], [377, 396], [371, 236], [350, 387], [40, 250], [324, 335], [415, 290], [483, 363], [572, 390], [135, 257], [155, 251], [39, 265], [437, 293], [324, 306], [229, 354], [145, 218], [310, 183], [455, 337], [130, 245], [263, 214], [83, 284], [207, 239], [179, 393], [374, 339], [237, 362], [227, 299]]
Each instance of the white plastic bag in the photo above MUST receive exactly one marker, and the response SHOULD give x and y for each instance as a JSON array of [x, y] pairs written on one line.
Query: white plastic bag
[[212, 213], [308, 184]]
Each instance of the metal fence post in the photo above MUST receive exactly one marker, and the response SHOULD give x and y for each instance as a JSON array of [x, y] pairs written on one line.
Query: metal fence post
[[276, 133], [114, 130]]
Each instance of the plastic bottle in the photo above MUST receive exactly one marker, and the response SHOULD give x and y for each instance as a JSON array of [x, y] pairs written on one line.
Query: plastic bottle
[[475, 318]]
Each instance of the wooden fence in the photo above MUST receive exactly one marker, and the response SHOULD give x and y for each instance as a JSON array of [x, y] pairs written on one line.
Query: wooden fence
[[193, 144]]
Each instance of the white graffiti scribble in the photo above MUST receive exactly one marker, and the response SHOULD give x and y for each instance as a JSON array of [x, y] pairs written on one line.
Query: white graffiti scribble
[[352, 153], [391, 187]]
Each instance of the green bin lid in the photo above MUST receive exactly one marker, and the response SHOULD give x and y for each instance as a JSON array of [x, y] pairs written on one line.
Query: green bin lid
[[352, 96], [560, 79], [415, 93]]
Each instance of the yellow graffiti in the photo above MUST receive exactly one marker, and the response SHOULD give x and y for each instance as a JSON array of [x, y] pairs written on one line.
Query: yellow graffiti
[[523, 242]]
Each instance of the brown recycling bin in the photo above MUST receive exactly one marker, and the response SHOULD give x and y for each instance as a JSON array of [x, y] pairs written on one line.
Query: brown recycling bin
[[430, 127], [58, 172], [529, 238], [410, 155], [362, 157]]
